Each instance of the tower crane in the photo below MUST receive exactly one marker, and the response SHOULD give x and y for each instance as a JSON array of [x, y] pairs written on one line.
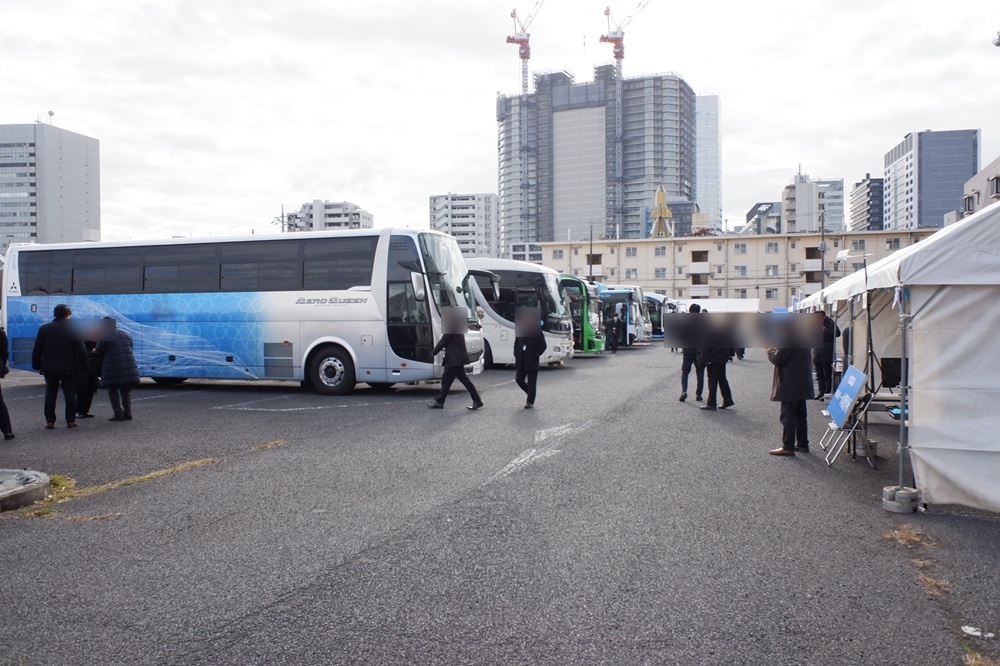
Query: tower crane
[[616, 37], [521, 37]]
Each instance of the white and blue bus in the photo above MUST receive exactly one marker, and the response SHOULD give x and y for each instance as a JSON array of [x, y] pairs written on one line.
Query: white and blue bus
[[329, 309]]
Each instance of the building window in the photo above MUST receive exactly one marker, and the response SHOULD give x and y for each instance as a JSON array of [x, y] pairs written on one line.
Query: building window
[[680, 270], [771, 294], [969, 205], [858, 244], [680, 293], [995, 186], [892, 243], [739, 248], [741, 293], [576, 251], [612, 250], [719, 268], [631, 273], [740, 271], [771, 248], [792, 266], [660, 251], [771, 270], [611, 272], [631, 251], [857, 267], [793, 245], [557, 254], [660, 273], [594, 259], [718, 292]]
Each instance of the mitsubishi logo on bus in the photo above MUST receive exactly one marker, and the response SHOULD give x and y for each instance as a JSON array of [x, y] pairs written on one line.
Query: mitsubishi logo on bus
[[332, 300]]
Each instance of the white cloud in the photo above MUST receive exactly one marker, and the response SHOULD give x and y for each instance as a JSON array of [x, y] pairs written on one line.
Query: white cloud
[[213, 116]]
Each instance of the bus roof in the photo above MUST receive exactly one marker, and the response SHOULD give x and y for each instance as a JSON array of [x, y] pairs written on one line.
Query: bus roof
[[344, 233], [487, 263]]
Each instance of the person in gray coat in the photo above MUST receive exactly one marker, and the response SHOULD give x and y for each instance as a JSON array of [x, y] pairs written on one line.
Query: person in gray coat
[[792, 387], [119, 371]]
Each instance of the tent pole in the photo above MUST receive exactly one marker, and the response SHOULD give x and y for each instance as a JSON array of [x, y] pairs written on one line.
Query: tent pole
[[904, 327]]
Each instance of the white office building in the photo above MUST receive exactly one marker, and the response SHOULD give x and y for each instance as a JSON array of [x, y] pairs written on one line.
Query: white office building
[[805, 203], [50, 185], [471, 219], [709, 167], [320, 215]]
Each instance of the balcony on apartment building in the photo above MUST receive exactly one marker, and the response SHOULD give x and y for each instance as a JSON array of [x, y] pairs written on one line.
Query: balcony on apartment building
[[699, 291], [698, 268], [810, 265]]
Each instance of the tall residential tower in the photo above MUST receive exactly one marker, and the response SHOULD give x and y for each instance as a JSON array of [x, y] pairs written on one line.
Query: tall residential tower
[[709, 160]]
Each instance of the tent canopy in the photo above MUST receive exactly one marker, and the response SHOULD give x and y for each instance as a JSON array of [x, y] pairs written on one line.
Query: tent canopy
[[965, 253]]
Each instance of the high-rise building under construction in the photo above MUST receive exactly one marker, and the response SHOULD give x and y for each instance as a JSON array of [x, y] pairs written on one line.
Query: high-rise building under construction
[[557, 172]]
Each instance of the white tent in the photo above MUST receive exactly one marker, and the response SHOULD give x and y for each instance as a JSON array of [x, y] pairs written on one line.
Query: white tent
[[946, 292]]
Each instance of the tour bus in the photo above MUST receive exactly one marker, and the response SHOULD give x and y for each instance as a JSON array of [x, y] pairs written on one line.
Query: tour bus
[[520, 284], [658, 305], [585, 308], [623, 301], [328, 309], [640, 299]]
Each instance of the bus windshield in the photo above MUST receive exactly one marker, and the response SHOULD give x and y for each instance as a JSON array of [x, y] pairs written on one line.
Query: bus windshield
[[447, 273]]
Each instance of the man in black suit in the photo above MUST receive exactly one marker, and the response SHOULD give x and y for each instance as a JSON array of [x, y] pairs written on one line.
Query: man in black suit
[[456, 357], [59, 354], [529, 345], [792, 386]]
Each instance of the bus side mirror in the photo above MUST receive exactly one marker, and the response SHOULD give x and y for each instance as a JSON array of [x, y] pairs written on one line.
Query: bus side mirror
[[419, 291]]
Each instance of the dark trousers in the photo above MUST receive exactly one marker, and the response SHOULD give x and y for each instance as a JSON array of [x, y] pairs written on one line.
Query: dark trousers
[[794, 428], [121, 400], [527, 379], [699, 372], [52, 385], [717, 382], [613, 342], [86, 387], [451, 373], [824, 374], [5, 425]]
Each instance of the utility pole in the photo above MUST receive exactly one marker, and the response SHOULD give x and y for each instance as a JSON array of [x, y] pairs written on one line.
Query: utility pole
[[822, 249], [590, 257]]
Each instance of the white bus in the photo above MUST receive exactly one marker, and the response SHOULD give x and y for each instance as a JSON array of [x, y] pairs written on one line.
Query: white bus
[[329, 309], [521, 284]]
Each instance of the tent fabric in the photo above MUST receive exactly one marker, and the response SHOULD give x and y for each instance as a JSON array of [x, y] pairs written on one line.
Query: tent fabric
[[949, 285], [967, 252]]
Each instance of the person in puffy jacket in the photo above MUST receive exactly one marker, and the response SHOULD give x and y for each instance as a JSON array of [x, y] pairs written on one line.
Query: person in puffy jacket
[[119, 371]]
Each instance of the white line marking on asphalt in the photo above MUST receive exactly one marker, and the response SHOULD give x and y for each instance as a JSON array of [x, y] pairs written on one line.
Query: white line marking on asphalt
[[165, 395], [538, 451], [26, 397], [247, 406]]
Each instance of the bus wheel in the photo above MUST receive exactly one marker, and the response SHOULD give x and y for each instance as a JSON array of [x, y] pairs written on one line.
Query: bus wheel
[[169, 381], [487, 356], [332, 372]]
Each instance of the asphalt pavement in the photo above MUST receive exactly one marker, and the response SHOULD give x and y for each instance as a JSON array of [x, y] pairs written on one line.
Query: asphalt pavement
[[610, 524]]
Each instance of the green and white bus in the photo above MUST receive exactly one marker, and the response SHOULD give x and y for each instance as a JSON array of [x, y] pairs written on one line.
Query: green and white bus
[[585, 308]]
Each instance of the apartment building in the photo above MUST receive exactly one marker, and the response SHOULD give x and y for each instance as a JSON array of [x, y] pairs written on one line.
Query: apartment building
[[772, 267], [471, 219], [320, 215]]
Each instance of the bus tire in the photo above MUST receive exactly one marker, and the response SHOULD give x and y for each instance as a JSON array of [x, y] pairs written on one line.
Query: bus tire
[[169, 381], [487, 356], [331, 371]]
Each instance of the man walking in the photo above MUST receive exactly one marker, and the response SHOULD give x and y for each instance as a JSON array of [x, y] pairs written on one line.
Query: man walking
[[59, 355], [689, 361], [119, 371], [456, 357], [792, 387], [529, 345], [715, 359]]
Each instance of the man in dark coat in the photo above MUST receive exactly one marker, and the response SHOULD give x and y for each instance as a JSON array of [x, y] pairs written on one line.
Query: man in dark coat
[[86, 382], [715, 359], [792, 387], [119, 372], [456, 357], [59, 354], [528, 349], [612, 329], [823, 356], [689, 361]]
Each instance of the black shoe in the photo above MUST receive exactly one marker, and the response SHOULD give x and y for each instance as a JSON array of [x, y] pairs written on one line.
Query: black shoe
[[84, 416], [117, 418], [727, 405], [474, 406], [799, 447], [819, 397], [708, 408], [697, 398], [434, 404], [529, 405], [8, 436], [128, 417], [684, 396]]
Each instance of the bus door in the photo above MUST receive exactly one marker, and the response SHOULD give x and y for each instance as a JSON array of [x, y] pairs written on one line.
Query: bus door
[[409, 329]]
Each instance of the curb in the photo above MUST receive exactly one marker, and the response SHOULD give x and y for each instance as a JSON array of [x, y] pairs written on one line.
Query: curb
[[20, 487]]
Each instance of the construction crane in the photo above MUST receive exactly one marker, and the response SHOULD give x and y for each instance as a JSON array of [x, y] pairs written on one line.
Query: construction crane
[[521, 37], [616, 37]]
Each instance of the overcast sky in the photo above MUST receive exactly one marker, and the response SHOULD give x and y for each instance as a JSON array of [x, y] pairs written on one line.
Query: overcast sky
[[212, 114]]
